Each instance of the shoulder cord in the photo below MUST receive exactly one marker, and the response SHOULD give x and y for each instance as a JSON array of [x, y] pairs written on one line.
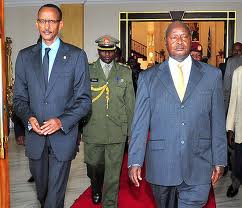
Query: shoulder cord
[[102, 89]]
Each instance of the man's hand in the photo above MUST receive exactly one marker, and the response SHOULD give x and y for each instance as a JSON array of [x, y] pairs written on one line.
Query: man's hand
[[35, 125], [217, 174], [135, 175], [51, 126], [230, 137]]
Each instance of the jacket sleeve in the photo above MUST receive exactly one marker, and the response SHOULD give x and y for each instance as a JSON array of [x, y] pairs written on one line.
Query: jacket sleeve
[[219, 140], [140, 124], [21, 96], [81, 97]]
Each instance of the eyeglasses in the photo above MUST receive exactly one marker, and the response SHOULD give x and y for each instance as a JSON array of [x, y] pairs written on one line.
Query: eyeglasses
[[50, 22]]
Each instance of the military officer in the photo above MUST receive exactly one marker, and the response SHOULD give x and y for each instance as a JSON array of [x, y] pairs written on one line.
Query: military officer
[[109, 122], [196, 51]]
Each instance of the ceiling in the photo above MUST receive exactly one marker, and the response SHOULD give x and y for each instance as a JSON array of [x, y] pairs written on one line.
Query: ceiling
[[13, 3]]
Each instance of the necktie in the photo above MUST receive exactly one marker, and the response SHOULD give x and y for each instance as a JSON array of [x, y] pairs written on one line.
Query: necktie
[[106, 70], [45, 65], [180, 87]]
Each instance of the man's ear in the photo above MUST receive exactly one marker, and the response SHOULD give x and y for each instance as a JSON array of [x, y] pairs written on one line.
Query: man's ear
[[37, 25], [61, 25]]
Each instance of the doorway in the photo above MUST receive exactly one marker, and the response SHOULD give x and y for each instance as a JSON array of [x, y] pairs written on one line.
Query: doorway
[[143, 34]]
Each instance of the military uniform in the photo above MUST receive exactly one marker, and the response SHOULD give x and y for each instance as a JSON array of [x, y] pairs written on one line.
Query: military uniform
[[108, 126]]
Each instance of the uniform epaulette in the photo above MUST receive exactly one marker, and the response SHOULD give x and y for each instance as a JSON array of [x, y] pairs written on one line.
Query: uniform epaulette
[[122, 64], [91, 63]]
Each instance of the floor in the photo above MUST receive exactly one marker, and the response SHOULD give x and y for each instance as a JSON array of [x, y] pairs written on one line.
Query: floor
[[23, 193]]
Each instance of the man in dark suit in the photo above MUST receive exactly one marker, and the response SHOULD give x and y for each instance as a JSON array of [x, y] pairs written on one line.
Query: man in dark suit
[[233, 63], [181, 103], [236, 51], [51, 94]]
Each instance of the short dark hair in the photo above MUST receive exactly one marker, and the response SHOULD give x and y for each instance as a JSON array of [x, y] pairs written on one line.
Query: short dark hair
[[237, 44], [52, 6]]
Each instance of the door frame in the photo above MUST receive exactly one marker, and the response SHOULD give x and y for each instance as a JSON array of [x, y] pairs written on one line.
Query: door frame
[[126, 19], [4, 168]]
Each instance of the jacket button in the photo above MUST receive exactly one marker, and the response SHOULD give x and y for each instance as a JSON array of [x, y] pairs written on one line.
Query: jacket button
[[182, 142]]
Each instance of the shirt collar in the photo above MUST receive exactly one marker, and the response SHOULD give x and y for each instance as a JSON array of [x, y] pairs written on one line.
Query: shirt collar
[[186, 62], [54, 46], [103, 64]]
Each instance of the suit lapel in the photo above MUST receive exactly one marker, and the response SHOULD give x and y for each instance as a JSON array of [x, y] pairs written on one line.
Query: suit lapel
[[196, 75], [37, 66], [61, 58], [166, 79]]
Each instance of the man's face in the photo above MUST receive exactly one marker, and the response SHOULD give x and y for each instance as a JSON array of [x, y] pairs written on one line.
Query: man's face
[[49, 24], [237, 50], [106, 56], [196, 55], [178, 42]]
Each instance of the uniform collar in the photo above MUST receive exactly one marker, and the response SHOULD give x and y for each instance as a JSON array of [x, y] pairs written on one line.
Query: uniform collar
[[103, 63]]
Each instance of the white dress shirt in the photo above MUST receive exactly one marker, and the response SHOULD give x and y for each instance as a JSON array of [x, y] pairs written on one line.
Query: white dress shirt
[[103, 64], [186, 69]]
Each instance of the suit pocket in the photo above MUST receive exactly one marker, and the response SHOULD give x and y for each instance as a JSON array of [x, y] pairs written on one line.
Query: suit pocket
[[120, 88], [201, 145], [206, 92], [66, 74], [157, 145]]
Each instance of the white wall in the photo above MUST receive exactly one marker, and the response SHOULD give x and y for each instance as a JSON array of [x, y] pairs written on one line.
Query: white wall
[[20, 27], [100, 19]]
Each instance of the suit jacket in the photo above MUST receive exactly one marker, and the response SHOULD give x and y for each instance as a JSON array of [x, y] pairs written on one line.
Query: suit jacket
[[232, 64], [112, 124], [186, 138], [234, 116], [67, 97]]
